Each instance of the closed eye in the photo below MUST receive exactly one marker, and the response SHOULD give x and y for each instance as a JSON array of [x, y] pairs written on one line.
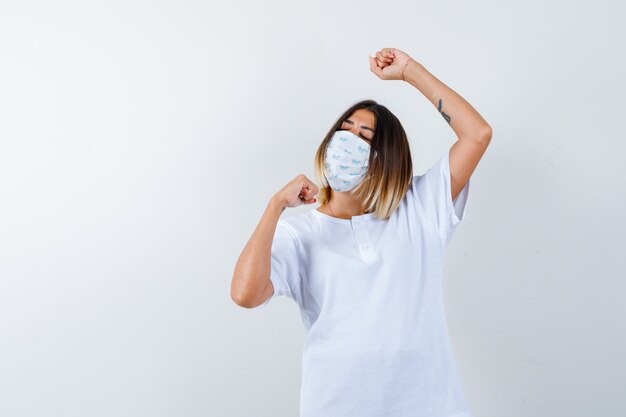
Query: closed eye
[[361, 136], [351, 123]]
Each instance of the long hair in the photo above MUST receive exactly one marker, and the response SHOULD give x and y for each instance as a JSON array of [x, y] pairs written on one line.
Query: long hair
[[390, 170]]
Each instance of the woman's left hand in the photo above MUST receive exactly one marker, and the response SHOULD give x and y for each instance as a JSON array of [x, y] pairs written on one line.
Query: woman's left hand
[[390, 64]]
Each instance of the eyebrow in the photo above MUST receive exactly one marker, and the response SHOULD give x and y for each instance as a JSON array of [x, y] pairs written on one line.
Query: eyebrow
[[362, 127]]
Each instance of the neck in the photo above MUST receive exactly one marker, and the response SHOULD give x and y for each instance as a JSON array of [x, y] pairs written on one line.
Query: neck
[[343, 204]]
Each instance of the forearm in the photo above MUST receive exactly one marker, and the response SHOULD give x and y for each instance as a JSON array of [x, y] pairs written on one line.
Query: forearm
[[458, 113]]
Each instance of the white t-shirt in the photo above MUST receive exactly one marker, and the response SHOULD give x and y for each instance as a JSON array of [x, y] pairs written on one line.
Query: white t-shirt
[[370, 294]]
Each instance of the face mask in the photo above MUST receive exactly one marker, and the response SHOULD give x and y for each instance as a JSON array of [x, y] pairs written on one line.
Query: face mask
[[347, 160]]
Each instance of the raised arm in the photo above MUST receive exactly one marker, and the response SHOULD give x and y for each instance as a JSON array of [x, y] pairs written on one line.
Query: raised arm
[[466, 122], [251, 284], [472, 131]]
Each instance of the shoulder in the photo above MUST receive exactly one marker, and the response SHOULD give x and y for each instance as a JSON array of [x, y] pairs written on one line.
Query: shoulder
[[417, 183], [432, 177], [297, 224]]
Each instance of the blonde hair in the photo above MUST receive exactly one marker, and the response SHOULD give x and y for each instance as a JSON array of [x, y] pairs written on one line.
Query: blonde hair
[[390, 169]]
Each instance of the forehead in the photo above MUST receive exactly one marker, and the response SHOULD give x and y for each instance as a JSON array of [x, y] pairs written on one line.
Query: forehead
[[364, 117]]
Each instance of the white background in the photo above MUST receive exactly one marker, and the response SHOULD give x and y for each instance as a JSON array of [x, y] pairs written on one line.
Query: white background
[[141, 141]]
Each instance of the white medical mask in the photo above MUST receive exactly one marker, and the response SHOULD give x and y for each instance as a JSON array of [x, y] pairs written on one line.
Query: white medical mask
[[347, 160]]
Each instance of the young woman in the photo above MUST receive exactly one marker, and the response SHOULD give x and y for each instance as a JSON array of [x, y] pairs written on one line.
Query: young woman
[[366, 266]]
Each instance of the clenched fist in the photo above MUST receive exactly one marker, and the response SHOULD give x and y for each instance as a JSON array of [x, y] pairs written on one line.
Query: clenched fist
[[390, 64], [298, 191]]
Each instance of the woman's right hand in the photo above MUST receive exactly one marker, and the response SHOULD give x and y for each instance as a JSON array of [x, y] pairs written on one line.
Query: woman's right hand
[[298, 191]]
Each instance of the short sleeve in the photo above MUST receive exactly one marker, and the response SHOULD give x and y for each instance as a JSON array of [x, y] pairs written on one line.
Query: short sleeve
[[284, 265], [435, 192]]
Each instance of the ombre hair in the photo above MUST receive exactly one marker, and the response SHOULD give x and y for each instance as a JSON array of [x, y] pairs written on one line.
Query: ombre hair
[[390, 169]]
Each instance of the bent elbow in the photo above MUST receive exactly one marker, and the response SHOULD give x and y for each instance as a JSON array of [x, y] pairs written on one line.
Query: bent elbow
[[486, 134]]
